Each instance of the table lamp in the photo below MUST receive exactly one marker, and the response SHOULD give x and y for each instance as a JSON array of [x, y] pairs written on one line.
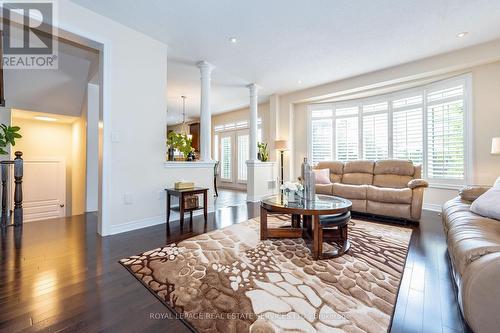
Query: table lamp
[[495, 146], [281, 146]]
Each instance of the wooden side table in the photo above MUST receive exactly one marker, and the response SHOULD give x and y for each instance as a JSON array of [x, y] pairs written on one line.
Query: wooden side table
[[181, 194]]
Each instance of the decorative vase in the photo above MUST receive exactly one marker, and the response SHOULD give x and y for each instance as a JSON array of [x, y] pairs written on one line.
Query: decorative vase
[[171, 153], [290, 196]]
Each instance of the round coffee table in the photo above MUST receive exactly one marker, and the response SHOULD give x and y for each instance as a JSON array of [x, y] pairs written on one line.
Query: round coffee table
[[310, 212]]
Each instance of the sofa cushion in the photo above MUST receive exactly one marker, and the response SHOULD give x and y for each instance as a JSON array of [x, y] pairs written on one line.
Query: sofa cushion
[[324, 189], [392, 181], [360, 166], [388, 209], [336, 169], [487, 204], [389, 195], [349, 191], [357, 178], [469, 236], [358, 205], [394, 167]]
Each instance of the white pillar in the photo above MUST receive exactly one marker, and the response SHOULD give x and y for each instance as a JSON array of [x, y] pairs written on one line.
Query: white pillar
[[205, 112], [253, 121]]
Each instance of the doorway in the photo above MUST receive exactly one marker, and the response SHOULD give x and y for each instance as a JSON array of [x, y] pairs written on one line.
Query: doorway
[[233, 151]]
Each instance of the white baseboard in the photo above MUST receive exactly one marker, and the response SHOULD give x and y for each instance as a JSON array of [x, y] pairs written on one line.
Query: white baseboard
[[432, 207], [148, 222]]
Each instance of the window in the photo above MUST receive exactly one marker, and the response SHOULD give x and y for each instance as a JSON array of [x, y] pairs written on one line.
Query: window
[[322, 140], [243, 155], [347, 134], [226, 159], [407, 129], [375, 131], [427, 125], [216, 147], [445, 134]]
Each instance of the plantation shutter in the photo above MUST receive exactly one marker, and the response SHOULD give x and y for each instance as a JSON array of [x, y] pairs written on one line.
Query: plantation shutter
[[407, 130], [225, 166], [322, 140], [243, 155], [375, 131], [445, 134], [347, 137]]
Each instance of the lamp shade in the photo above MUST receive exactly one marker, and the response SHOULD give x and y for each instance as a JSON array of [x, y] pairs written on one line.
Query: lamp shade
[[281, 145], [495, 146]]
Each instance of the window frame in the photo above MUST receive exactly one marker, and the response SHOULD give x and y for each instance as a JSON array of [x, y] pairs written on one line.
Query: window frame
[[424, 90]]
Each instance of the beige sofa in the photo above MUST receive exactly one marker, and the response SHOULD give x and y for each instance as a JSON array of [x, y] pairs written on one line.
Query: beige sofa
[[474, 250], [386, 187]]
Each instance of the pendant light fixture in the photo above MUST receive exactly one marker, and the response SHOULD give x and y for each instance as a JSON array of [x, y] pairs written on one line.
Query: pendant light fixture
[[184, 126]]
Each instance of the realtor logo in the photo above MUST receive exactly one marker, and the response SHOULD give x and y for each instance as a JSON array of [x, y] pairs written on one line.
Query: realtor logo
[[28, 40]]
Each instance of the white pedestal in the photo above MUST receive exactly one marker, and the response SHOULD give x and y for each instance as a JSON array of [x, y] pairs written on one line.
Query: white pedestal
[[262, 180]]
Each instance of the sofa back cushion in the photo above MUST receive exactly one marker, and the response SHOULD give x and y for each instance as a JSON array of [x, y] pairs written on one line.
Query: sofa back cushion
[[358, 173], [393, 173], [336, 170]]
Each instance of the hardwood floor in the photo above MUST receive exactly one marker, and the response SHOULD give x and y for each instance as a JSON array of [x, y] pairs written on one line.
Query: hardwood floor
[[60, 276]]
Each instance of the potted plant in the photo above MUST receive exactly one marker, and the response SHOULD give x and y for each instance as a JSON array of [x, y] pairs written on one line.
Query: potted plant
[[181, 142], [262, 154], [8, 136]]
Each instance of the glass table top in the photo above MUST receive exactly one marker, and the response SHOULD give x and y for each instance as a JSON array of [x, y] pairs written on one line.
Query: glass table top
[[321, 202]]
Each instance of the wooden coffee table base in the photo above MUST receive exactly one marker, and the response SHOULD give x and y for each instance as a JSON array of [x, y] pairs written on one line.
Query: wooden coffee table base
[[295, 231]]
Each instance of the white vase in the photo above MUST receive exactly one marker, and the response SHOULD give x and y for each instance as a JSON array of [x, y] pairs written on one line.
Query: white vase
[[290, 196]]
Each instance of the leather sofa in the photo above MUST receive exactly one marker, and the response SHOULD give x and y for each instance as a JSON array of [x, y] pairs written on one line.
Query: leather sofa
[[386, 187], [474, 250]]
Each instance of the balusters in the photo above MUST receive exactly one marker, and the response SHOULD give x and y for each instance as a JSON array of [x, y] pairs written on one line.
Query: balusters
[[5, 170], [18, 188]]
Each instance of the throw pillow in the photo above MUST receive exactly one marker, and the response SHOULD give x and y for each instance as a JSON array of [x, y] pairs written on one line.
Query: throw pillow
[[487, 204], [322, 176]]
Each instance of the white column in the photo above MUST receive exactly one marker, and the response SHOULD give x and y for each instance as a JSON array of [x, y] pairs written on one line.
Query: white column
[[205, 112], [253, 121]]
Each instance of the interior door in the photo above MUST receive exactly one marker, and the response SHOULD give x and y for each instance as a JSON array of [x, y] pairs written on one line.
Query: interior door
[[44, 189]]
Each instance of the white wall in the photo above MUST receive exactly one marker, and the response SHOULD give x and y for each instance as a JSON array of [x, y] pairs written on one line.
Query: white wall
[[57, 140], [481, 61], [92, 171], [134, 99]]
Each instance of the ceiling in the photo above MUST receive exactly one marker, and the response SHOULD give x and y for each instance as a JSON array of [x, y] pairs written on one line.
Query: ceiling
[[286, 45], [58, 91]]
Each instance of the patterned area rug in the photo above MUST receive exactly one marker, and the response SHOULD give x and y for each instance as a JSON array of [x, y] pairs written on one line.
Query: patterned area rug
[[229, 281]]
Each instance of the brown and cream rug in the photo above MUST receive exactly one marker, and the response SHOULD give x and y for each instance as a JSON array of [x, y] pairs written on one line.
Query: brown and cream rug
[[229, 281]]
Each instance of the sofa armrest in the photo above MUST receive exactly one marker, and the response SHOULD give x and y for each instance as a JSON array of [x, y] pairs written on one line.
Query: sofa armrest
[[471, 193], [479, 295], [414, 183]]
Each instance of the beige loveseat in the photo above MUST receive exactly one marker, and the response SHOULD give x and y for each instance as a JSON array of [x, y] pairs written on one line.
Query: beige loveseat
[[474, 250], [386, 187]]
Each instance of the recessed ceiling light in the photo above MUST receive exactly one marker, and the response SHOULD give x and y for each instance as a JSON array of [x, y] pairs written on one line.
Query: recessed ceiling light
[[462, 34], [45, 118], [299, 81], [233, 40]]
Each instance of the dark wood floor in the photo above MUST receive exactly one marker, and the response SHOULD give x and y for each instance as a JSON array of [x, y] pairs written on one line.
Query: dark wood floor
[[60, 276]]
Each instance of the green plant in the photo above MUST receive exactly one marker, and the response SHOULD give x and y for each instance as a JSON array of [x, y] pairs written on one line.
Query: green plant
[[263, 153], [8, 135], [180, 141]]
